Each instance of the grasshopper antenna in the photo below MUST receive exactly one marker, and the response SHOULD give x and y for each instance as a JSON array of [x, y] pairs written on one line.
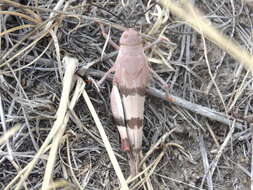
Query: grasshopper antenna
[[109, 13]]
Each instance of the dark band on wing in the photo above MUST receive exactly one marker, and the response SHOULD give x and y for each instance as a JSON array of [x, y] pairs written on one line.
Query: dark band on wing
[[119, 121], [132, 91], [135, 123]]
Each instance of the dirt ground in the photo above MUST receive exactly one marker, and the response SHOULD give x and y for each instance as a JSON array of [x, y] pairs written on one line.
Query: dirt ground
[[197, 153]]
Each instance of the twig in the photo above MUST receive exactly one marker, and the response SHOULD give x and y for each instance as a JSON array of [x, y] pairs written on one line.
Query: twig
[[196, 108], [177, 181], [71, 167], [158, 143], [212, 135], [154, 165], [8, 134], [62, 119], [205, 161], [26, 171], [217, 157], [5, 129], [106, 142]]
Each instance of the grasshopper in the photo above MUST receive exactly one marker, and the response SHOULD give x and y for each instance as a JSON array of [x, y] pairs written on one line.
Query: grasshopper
[[131, 77]]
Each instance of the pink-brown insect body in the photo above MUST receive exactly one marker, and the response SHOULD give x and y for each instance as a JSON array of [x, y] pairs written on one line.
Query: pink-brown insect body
[[131, 64], [128, 94]]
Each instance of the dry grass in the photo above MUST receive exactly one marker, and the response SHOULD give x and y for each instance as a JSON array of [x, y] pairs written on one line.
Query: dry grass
[[56, 128]]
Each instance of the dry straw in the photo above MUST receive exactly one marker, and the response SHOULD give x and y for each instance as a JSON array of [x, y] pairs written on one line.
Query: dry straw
[[184, 11], [55, 133], [106, 142], [8, 134], [195, 19], [70, 65]]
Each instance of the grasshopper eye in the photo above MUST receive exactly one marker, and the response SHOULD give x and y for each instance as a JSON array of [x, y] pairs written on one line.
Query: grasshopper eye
[[125, 36]]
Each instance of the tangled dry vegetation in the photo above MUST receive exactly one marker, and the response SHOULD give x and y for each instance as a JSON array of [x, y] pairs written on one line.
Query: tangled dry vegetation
[[198, 137]]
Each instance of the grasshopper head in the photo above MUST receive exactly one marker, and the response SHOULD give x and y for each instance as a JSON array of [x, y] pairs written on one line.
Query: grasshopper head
[[130, 38]]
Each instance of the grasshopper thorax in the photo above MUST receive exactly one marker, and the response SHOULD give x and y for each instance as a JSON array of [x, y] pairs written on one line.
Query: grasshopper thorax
[[130, 38]]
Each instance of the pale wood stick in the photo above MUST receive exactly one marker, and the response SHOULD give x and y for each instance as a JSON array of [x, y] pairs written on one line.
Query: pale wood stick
[[2, 116], [215, 161], [70, 65], [8, 134], [205, 161], [107, 144], [23, 174], [196, 108]]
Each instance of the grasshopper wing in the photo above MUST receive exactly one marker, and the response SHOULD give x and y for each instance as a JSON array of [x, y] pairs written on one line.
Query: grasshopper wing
[[119, 117]]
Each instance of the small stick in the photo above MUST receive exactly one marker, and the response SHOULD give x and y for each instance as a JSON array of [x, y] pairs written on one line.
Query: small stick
[[106, 142], [10, 156], [113, 44], [213, 135], [196, 108], [215, 161], [8, 134], [159, 40], [23, 174], [165, 85], [62, 116], [205, 161]]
